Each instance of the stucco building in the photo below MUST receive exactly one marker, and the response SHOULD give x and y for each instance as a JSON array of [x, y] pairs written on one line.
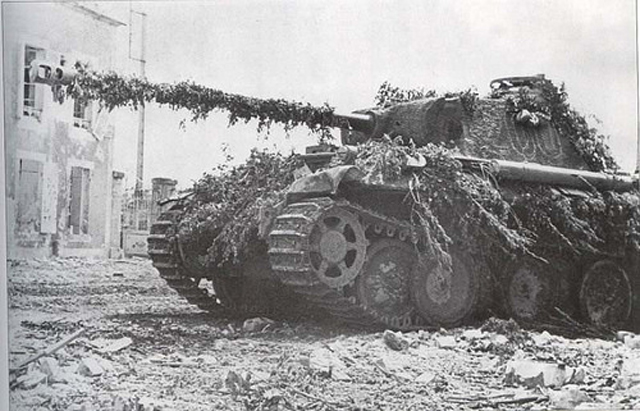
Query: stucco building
[[61, 190]]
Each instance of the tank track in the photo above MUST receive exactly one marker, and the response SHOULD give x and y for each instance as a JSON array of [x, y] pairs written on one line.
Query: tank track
[[184, 277], [290, 261]]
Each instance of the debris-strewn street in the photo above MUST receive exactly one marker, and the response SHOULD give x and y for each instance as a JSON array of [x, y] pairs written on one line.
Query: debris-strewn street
[[112, 336]]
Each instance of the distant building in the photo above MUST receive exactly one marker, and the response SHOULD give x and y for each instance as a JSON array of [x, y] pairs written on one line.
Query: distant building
[[139, 213], [61, 189]]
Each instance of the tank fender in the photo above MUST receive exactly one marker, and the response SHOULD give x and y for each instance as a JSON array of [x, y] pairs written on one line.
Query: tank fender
[[318, 184], [322, 183]]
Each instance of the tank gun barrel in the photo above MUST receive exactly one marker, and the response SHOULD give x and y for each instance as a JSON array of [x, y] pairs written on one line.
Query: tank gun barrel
[[543, 174], [364, 123], [50, 73]]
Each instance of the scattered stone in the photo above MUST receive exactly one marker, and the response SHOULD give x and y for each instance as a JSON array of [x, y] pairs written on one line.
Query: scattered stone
[[405, 375], [98, 343], [632, 341], [391, 367], [473, 334], [446, 342], [622, 335], [86, 406], [327, 362], [31, 379], [567, 398], [629, 373], [394, 362], [273, 394], [499, 340], [340, 374], [207, 359], [120, 404], [257, 324], [342, 349], [256, 376], [634, 392], [575, 375], [117, 345], [597, 406], [425, 377], [395, 341], [67, 375], [235, 383], [90, 367], [380, 363], [423, 335], [533, 374], [49, 366], [106, 365], [151, 404], [541, 339], [63, 355]]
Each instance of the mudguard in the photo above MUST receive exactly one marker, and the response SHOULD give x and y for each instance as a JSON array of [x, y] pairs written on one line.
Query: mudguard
[[322, 183]]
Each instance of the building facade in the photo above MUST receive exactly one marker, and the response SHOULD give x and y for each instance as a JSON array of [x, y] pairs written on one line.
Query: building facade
[[60, 182], [140, 212]]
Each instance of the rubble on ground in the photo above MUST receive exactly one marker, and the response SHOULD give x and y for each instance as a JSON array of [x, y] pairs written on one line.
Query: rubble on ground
[[154, 352]]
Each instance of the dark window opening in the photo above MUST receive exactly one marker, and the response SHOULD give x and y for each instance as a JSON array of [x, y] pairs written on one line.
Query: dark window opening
[[82, 114]]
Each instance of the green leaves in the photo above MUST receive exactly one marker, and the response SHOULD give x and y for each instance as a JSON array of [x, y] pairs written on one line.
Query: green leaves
[[571, 125], [113, 90], [222, 219], [389, 95], [449, 203]]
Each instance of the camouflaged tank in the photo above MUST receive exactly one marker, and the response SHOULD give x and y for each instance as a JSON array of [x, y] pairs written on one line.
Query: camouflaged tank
[[345, 245]]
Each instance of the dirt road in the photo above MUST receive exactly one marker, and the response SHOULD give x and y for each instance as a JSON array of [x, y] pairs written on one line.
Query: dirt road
[[143, 348]]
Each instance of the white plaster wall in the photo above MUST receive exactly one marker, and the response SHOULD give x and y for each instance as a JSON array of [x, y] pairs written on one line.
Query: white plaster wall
[[61, 30]]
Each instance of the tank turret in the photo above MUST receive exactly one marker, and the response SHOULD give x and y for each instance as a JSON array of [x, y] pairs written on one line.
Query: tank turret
[[476, 127]]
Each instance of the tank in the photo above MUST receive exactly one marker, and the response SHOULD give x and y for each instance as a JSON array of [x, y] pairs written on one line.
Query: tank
[[554, 231], [345, 242]]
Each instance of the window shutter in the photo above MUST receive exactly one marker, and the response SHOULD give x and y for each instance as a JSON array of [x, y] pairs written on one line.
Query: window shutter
[[86, 199], [48, 220], [29, 195], [75, 195]]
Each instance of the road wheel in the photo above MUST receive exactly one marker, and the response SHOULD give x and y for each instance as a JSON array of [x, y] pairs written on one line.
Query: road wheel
[[448, 297], [606, 295], [384, 284]]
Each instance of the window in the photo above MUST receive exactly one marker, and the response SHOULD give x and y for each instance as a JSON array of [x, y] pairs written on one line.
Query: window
[[29, 194], [82, 114], [32, 99], [79, 200]]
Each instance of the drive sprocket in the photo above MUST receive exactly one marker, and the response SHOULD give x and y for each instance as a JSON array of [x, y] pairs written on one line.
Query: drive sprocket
[[320, 246]]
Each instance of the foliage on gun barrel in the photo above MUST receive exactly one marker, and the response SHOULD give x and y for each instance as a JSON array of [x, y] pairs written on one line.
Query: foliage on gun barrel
[[113, 90]]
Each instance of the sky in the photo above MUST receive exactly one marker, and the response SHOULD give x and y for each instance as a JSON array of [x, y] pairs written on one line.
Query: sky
[[340, 52]]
